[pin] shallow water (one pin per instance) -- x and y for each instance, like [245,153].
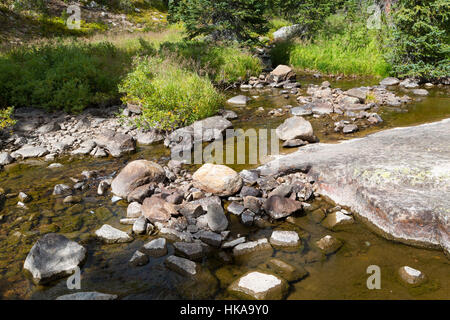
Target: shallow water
[340,276]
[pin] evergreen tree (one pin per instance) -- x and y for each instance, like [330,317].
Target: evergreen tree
[240,20]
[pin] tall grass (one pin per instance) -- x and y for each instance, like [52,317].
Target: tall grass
[341,48]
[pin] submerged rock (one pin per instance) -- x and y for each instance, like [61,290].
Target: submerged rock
[329,244]
[53,256]
[155,248]
[411,276]
[182,266]
[139,259]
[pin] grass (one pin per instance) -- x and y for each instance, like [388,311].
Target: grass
[341,48]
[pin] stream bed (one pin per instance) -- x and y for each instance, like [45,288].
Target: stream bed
[339,276]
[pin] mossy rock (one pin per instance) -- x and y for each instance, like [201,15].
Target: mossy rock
[75,209]
[103,213]
[71,224]
[49,228]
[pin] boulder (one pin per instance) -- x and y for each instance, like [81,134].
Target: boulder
[359,93]
[252,247]
[382,176]
[115,143]
[134,210]
[192,251]
[53,256]
[259,286]
[138,259]
[5,159]
[217,179]
[140,226]
[28,151]
[278,207]
[156,209]
[301,111]
[281,73]
[295,128]
[155,248]
[211,238]
[235,208]
[112,235]
[287,32]
[239,100]
[217,221]
[149,137]
[389,81]
[420,92]
[136,174]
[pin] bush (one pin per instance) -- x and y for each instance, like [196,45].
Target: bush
[420,42]
[61,76]
[219,63]
[170,96]
[5,118]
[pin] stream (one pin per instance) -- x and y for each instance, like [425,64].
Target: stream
[339,276]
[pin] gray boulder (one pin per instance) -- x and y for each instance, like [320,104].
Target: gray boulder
[295,128]
[53,256]
[116,143]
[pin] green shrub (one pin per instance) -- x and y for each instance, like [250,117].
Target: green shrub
[219,63]
[420,41]
[170,96]
[62,76]
[5,118]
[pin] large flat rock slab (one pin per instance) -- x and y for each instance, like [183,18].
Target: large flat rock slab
[397,181]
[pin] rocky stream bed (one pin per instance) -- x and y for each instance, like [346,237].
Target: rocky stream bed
[93,192]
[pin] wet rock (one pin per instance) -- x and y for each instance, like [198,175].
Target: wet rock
[24,197]
[138,259]
[350,128]
[281,73]
[260,286]
[420,92]
[136,174]
[235,208]
[250,191]
[295,128]
[155,209]
[182,266]
[112,235]
[285,270]
[53,256]
[233,243]
[337,219]
[155,248]
[285,238]
[329,244]
[115,199]
[239,100]
[278,207]
[134,210]
[409,84]
[217,179]
[253,204]
[61,189]
[317,215]
[72,199]
[211,238]
[392,172]
[229,114]
[5,159]
[252,247]
[217,221]
[140,226]
[389,81]
[115,143]
[127,221]
[247,218]
[192,251]
[87,296]
[411,276]
[294,143]
[28,151]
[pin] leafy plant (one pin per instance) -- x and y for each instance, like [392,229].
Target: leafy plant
[170,96]
[5,118]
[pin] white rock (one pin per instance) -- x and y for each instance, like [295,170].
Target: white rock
[112,235]
[260,286]
[134,210]
[285,238]
[155,248]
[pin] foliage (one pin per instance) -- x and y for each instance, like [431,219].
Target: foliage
[240,20]
[219,63]
[61,76]
[5,118]
[170,96]
[420,42]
